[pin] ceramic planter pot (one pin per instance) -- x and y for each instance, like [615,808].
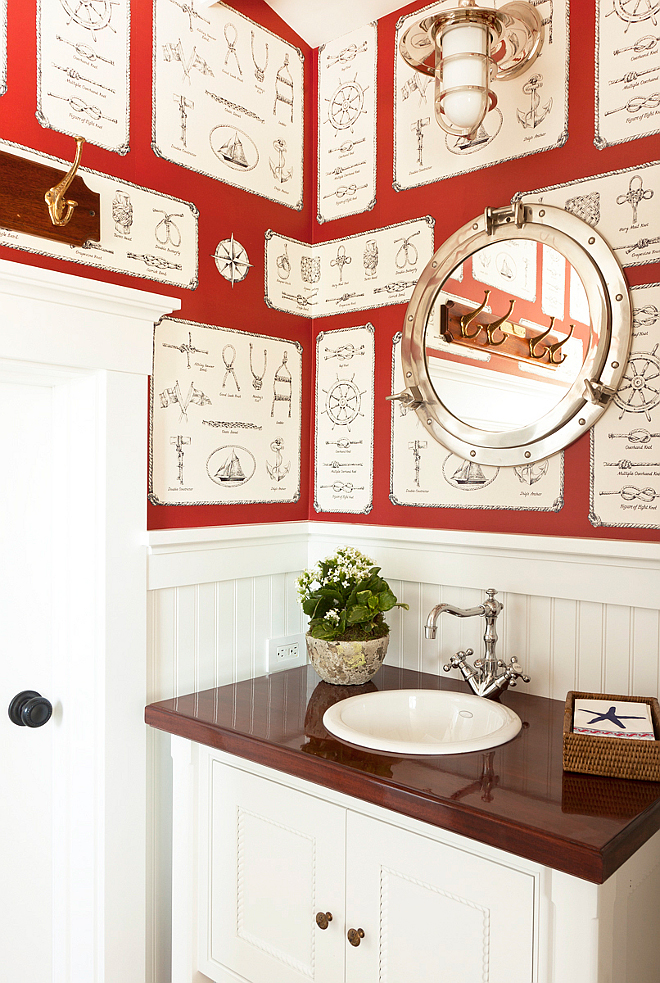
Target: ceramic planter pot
[347,663]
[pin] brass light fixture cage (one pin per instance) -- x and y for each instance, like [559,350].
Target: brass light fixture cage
[514,40]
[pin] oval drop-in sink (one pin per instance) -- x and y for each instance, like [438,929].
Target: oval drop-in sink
[419,721]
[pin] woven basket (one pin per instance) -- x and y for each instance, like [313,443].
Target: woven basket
[611,756]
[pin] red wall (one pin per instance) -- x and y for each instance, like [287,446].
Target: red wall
[452,203]
[224,210]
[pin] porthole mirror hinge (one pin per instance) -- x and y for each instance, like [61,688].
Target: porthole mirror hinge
[597,393]
[515,214]
[411,398]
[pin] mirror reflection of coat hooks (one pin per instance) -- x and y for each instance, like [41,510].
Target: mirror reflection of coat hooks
[501,391]
[523,344]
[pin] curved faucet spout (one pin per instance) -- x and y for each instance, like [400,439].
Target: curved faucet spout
[489,676]
[431,626]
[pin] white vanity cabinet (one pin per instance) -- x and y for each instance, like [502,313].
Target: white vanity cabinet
[283,824]
[432,911]
[272,857]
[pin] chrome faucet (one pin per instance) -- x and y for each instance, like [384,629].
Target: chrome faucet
[488,677]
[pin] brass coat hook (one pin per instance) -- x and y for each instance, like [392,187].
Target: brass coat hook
[534,341]
[467,319]
[59,208]
[552,350]
[492,328]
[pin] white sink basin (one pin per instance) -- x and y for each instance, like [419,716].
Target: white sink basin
[419,721]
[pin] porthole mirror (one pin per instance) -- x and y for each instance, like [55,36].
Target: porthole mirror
[516,336]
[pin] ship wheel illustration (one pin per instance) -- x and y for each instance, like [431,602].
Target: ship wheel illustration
[636,11]
[346,105]
[343,402]
[93,15]
[639,391]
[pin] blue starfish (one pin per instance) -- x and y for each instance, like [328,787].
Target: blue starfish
[611,715]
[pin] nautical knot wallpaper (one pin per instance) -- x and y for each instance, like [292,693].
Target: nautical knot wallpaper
[291,197]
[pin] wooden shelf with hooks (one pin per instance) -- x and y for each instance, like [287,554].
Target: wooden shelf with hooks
[23,207]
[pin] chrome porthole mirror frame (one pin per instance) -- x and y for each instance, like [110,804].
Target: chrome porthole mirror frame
[602,369]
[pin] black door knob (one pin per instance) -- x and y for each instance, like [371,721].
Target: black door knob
[30,709]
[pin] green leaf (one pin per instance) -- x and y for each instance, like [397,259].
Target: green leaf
[386,600]
[330,592]
[323,631]
[358,613]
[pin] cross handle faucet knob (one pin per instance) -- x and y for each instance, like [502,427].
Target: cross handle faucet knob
[456,660]
[514,669]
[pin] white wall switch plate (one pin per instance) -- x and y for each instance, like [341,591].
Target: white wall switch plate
[286,652]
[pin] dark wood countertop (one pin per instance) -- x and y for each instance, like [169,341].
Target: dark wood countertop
[515,797]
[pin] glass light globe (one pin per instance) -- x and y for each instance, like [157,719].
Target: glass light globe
[461,86]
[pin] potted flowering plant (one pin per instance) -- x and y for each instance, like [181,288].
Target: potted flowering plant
[346,598]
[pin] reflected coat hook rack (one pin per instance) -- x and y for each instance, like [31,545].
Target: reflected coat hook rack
[521,344]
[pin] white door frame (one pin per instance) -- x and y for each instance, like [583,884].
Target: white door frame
[92,343]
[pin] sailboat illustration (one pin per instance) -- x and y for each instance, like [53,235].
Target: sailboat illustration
[469,473]
[463,143]
[506,268]
[232,151]
[231,472]
[231,466]
[234,148]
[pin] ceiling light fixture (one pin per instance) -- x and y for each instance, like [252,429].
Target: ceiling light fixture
[467,47]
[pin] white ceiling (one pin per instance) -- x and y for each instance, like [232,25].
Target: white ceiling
[318,21]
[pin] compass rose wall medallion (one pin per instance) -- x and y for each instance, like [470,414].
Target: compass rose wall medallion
[231,259]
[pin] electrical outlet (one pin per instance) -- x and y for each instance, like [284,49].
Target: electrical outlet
[286,652]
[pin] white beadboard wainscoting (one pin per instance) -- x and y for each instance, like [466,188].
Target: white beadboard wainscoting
[578,614]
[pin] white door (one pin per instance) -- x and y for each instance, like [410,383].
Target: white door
[74,360]
[26,754]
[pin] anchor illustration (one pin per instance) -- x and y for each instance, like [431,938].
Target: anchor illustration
[280,172]
[537,113]
[279,470]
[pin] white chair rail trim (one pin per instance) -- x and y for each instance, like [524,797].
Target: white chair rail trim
[605,571]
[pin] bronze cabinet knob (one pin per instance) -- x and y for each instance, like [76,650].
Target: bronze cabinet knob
[323,919]
[355,935]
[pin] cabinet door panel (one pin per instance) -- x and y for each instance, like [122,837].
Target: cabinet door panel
[431,912]
[276,858]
